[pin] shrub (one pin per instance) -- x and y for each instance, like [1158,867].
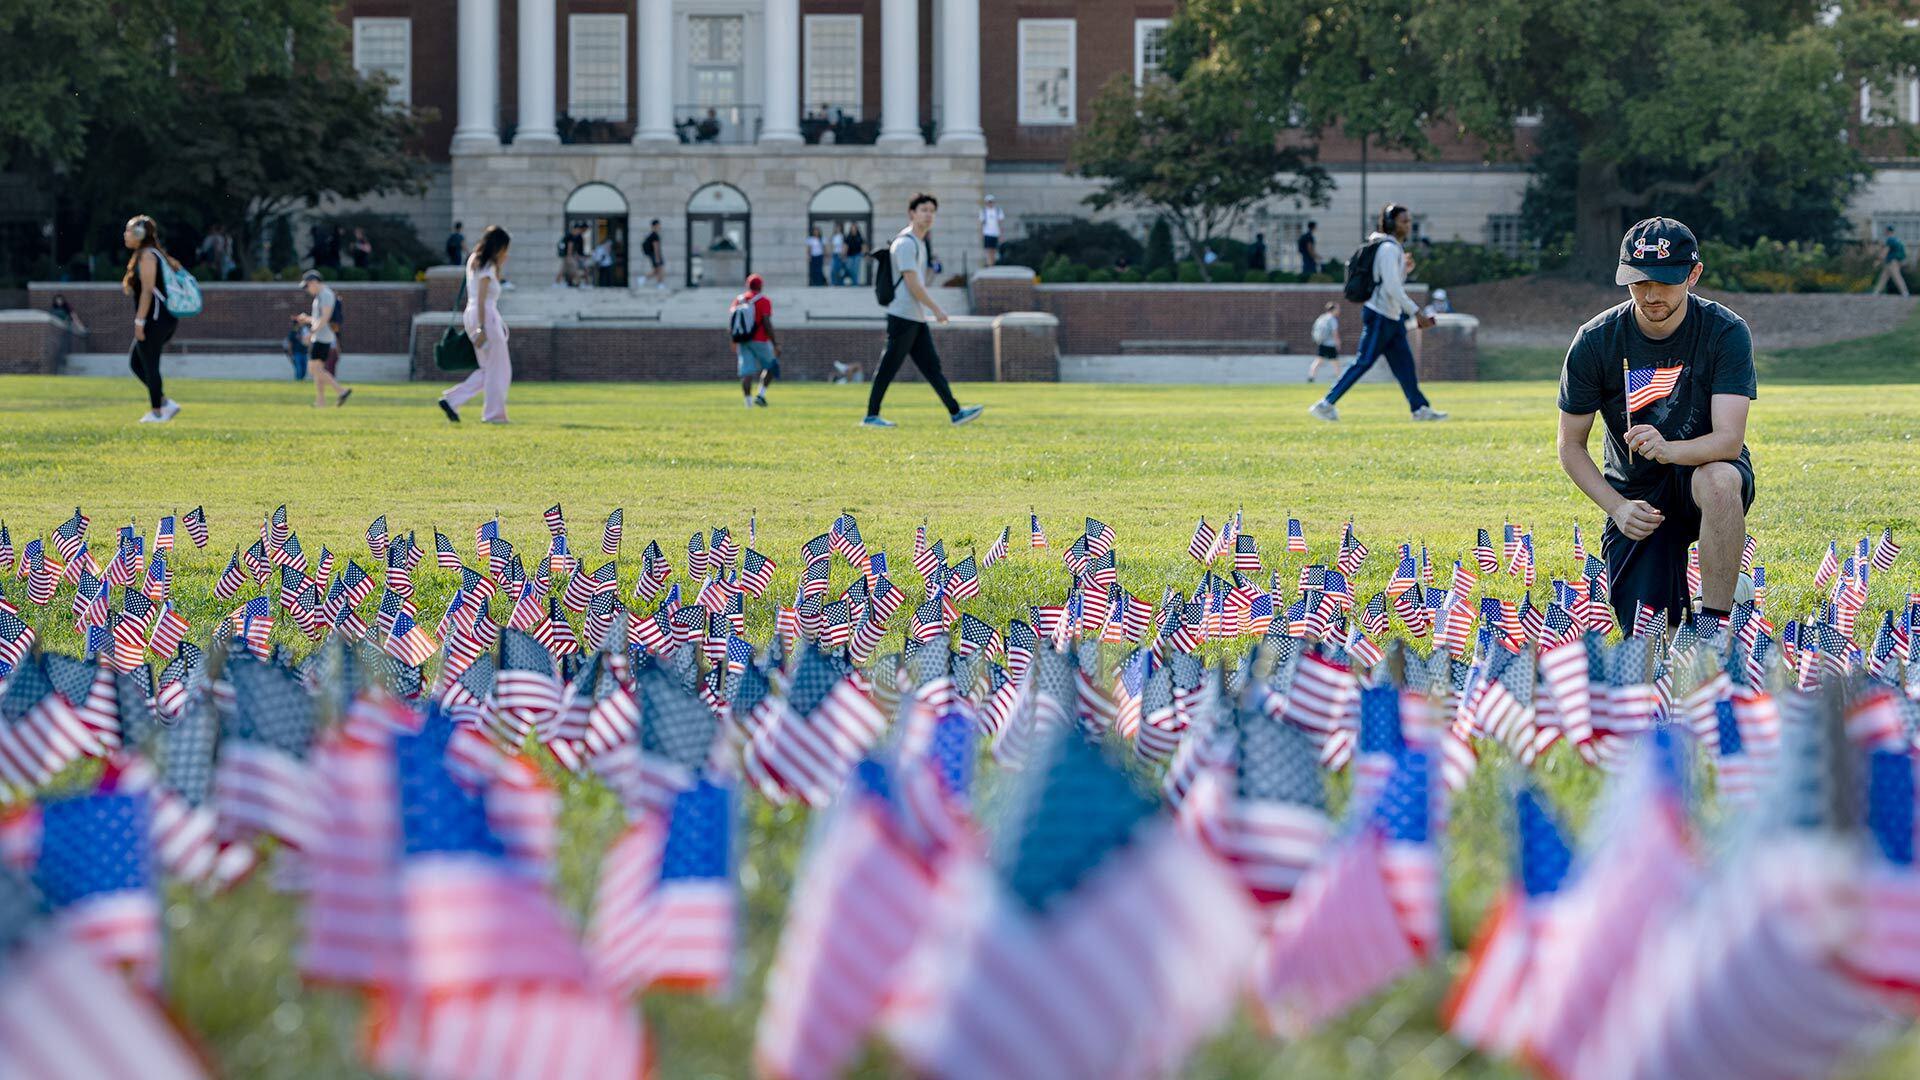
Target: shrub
[1255,277]
[1233,255]
[261,273]
[1449,263]
[1130,276]
[280,253]
[1101,276]
[1160,275]
[1772,266]
[1159,244]
[392,236]
[1095,244]
[1283,277]
[1189,273]
[288,273]
[351,273]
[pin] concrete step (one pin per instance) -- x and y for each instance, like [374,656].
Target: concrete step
[219,346]
[354,367]
[1191,368]
[702,307]
[1244,347]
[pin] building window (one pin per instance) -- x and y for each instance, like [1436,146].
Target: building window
[1046,71]
[833,65]
[597,67]
[1149,49]
[1505,234]
[1897,103]
[714,52]
[385,47]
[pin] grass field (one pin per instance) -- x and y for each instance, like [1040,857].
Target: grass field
[1879,358]
[1834,459]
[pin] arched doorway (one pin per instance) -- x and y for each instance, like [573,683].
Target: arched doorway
[835,208]
[603,210]
[719,237]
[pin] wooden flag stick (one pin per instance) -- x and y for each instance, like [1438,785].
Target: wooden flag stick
[1627,391]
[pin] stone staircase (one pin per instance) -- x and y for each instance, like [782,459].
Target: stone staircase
[704,307]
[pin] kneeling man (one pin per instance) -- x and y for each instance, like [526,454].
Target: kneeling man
[1672,375]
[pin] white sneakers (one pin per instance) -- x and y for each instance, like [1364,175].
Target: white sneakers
[168,410]
[1324,410]
[1428,412]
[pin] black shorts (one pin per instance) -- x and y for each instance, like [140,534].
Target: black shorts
[991,243]
[1654,571]
[1328,352]
[323,353]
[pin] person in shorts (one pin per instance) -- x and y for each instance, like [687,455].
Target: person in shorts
[759,355]
[992,219]
[1326,341]
[655,255]
[323,355]
[1672,376]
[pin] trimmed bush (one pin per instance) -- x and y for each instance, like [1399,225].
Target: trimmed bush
[392,237]
[1094,244]
[1282,277]
[1189,273]
[1159,245]
[1255,277]
[1130,276]
[1772,266]
[1444,265]
[1160,275]
[1102,276]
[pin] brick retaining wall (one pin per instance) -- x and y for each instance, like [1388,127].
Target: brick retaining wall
[649,351]
[31,343]
[378,315]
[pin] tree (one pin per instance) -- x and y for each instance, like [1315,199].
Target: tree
[1179,147]
[1726,100]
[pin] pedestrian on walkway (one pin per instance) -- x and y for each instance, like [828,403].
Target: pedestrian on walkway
[756,351]
[1326,341]
[856,252]
[837,248]
[153,324]
[1893,253]
[1383,260]
[907,309]
[816,258]
[656,257]
[486,330]
[457,244]
[361,250]
[992,220]
[1309,248]
[323,353]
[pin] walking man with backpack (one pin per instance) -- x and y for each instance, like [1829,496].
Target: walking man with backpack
[899,283]
[1377,278]
[750,324]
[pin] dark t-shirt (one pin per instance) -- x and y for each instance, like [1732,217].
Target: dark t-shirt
[1714,351]
[650,247]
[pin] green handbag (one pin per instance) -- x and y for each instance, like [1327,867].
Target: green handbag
[454,350]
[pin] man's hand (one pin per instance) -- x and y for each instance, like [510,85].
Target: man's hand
[1646,440]
[1424,321]
[1636,519]
[940,316]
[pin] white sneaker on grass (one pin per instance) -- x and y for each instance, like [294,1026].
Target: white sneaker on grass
[169,410]
[1324,410]
[1428,412]
[153,418]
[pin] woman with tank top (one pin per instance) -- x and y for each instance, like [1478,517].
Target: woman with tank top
[486,330]
[153,324]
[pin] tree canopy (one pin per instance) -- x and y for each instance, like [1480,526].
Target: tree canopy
[1737,102]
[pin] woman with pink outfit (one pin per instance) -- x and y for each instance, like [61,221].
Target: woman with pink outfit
[486,330]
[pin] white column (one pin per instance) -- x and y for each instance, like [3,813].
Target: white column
[655,52]
[781,123]
[900,72]
[476,127]
[535,122]
[959,45]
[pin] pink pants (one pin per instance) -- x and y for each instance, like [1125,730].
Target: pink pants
[491,377]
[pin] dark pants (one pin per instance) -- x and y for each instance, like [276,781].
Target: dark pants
[908,338]
[1654,571]
[816,270]
[144,358]
[1381,336]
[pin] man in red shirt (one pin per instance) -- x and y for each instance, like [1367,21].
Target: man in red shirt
[750,322]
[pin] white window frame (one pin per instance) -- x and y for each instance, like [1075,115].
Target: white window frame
[401,93]
[1507,221]
[1141,28]
[599,26]
[807,24]
[1026,118]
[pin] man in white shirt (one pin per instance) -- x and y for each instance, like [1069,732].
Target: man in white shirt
[323,344]
[1383,328]
[991,218]
[907,331]
[1326,341]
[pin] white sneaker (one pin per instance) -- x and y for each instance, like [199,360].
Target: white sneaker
[1324,410]
[747,401]
[170,410]
[154,418]
[1428,412]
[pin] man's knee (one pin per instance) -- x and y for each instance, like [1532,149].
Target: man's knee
[1716,490]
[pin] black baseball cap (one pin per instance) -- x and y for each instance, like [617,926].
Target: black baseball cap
[1657,249]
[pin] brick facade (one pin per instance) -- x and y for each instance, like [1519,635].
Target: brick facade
[647,352]
[1102,319]
[376,316]
[31,343]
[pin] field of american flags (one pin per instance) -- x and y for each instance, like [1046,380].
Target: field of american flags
[1832,463]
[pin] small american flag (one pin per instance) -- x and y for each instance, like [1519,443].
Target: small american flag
[378,538]
[1647,385]
[1203,547]
[666,911]
[1099,538]
[1296,538]
[96,872]
[71,535]
[1036,539]
[999,549]
[556,520]
[1885,552]
[610,532]
[195,521]
[1483,553]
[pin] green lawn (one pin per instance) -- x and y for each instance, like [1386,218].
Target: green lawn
[1883,358]
[1833,461]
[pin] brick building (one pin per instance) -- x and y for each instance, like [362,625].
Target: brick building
[740,123]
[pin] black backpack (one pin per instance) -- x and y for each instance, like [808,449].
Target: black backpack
[886,283]
[1360,279]
[741,319]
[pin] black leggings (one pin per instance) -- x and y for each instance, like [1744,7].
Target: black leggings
[144,359]
[906,337]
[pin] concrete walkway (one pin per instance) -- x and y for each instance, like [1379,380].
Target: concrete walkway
[354,367]
[701,307]
[1190,368]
